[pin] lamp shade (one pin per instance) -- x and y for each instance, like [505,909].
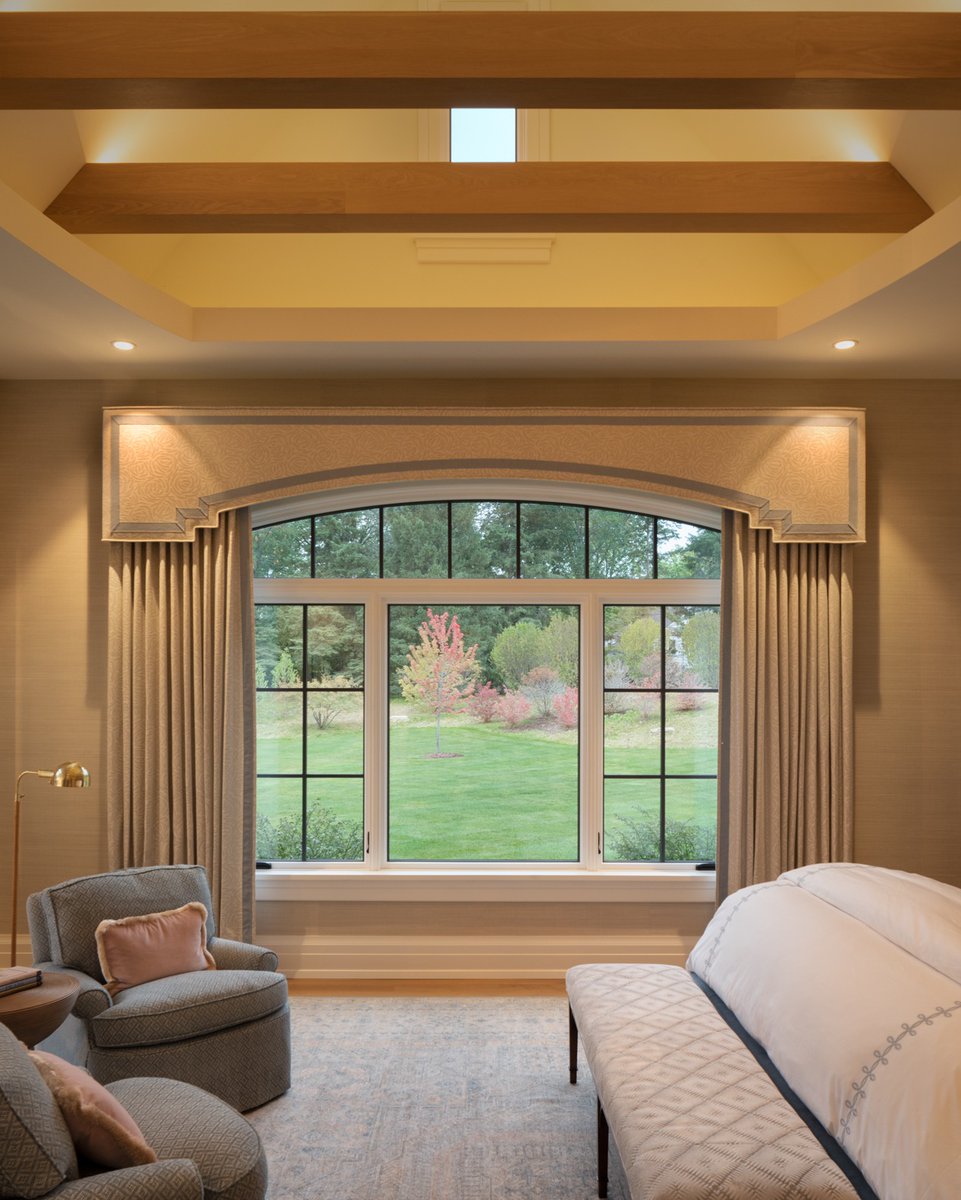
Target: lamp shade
[70,774]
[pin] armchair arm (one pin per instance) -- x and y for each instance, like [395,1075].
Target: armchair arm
[92,999]
[171,1179]
[241,956]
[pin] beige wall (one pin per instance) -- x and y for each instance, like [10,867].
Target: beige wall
[907,620]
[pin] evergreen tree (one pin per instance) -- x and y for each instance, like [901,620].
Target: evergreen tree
[348,545]
[552,541]
[697,557]
[483,539]
[622,545]
[335,641]
[282,551]
[415,541]
[278,629]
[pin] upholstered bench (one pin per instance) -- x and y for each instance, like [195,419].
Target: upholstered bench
[693,1114]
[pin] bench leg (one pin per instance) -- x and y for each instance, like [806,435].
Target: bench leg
[603,1139]
[572,1043]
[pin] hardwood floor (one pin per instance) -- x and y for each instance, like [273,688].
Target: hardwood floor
[426,987]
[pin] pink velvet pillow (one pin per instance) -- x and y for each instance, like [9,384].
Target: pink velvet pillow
[137,949]
[101,1128]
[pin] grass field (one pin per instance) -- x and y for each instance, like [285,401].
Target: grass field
[502,795]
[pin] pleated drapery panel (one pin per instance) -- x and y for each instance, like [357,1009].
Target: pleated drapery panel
[181,711]
[786,754]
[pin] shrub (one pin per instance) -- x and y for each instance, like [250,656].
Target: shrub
[483,705]
[689,701]
[513,709]
[561,642]
[329,837]
[639,642]
[517,650]
[565,708]
[326,707]
[701,639]
[639,840]
[616,675]
[540,685]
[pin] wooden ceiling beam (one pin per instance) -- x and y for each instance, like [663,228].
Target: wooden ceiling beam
[758,197]
[82,60]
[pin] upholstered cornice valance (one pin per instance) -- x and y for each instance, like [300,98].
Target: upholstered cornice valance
[797,472]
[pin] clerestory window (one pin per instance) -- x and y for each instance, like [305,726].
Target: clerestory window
[486,681]
[483,135]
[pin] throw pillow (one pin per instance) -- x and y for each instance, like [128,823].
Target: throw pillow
[137,949]
[101,1128]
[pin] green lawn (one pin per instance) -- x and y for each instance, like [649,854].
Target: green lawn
[504,795]
[510,795]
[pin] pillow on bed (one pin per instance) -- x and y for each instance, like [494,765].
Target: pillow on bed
[101,1128]
[137,949]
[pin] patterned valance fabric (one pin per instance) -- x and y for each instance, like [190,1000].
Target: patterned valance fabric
[796,472]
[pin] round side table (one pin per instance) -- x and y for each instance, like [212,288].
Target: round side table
[36,1012]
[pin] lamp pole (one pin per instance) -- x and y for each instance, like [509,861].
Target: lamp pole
[68,774]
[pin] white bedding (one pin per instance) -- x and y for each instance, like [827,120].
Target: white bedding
[850,977]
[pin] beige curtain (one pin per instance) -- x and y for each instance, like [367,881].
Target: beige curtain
[181,711]
[786,789]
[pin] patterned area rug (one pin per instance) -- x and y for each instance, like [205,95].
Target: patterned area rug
[410,1098]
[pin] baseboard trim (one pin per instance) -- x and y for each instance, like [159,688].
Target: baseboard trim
[319,956]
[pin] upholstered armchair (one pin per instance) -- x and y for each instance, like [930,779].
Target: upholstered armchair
[206,1150]
[225,1030]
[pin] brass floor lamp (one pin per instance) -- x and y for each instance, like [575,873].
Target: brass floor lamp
[69,774]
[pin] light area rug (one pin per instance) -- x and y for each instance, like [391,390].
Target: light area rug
[426,1098]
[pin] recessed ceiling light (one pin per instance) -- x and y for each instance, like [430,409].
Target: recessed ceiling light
[124,345]
[845,344]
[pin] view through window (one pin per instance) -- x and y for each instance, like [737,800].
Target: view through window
[442,667]
[483,135]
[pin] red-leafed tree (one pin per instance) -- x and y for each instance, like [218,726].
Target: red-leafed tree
[440,671]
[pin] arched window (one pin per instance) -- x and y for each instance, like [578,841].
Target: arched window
[478,674]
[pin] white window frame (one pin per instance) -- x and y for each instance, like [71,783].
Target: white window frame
[591,879]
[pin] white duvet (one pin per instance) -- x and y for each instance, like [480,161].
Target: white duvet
[850,977]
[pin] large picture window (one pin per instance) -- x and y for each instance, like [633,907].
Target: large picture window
[487,681]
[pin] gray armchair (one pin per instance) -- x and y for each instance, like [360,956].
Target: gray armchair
[226,1031]
[206,1151]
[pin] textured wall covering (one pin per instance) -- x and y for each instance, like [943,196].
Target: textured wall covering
[907,620]
[799,473]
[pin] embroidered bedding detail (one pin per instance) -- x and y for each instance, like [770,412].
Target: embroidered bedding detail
[882,1057]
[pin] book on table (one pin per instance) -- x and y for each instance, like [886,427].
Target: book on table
[16,979]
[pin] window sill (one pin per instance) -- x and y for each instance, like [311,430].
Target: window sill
[680,885]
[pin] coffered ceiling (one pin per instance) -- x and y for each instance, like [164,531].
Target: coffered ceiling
[705,189]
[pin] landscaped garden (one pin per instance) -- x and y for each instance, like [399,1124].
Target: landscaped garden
[483,755]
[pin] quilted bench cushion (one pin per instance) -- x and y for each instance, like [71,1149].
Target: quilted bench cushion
[186,1006]
[693,1114]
